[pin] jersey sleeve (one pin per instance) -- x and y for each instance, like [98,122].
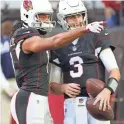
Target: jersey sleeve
[54,58]
[103,41]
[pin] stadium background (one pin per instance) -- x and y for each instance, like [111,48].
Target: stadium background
[10,9]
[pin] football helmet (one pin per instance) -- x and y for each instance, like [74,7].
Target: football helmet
[68,8]
[29,14]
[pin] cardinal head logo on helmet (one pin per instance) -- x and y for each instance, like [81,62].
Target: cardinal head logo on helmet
[28,5]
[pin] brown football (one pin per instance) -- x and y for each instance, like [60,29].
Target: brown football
[108,114]
[94,86]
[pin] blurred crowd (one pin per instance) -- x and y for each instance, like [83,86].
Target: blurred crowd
[6,67]
[114,13]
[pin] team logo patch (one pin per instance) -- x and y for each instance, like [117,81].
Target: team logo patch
[28,5]
[80,102]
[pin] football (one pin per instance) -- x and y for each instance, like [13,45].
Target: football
[108,114]
[94,86]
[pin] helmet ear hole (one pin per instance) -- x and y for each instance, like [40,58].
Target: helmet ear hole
[83,14]
[26,16]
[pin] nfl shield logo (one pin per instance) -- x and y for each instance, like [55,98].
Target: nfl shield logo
[81,100]
[74,48]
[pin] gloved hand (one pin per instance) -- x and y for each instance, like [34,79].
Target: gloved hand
[96,27]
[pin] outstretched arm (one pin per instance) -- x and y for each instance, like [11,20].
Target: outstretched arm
[36,43]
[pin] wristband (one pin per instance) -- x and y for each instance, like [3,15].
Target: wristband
[112,84]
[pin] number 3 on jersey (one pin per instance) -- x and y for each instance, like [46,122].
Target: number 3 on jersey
[78,65]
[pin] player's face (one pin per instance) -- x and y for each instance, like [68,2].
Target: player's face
[75,21]
[43,17]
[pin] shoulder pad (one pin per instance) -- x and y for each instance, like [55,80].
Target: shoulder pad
[24,33]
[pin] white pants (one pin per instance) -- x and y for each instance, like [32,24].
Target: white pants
[75,112]
[36,111]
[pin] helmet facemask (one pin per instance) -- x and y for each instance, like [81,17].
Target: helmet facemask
[42,25]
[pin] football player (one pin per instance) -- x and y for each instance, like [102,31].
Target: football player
[30,58]
[86,57]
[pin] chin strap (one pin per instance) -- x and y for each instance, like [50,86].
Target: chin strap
[42,32]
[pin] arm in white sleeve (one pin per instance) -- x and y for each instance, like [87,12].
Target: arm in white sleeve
[55,74]
[56,80]
[108,59]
